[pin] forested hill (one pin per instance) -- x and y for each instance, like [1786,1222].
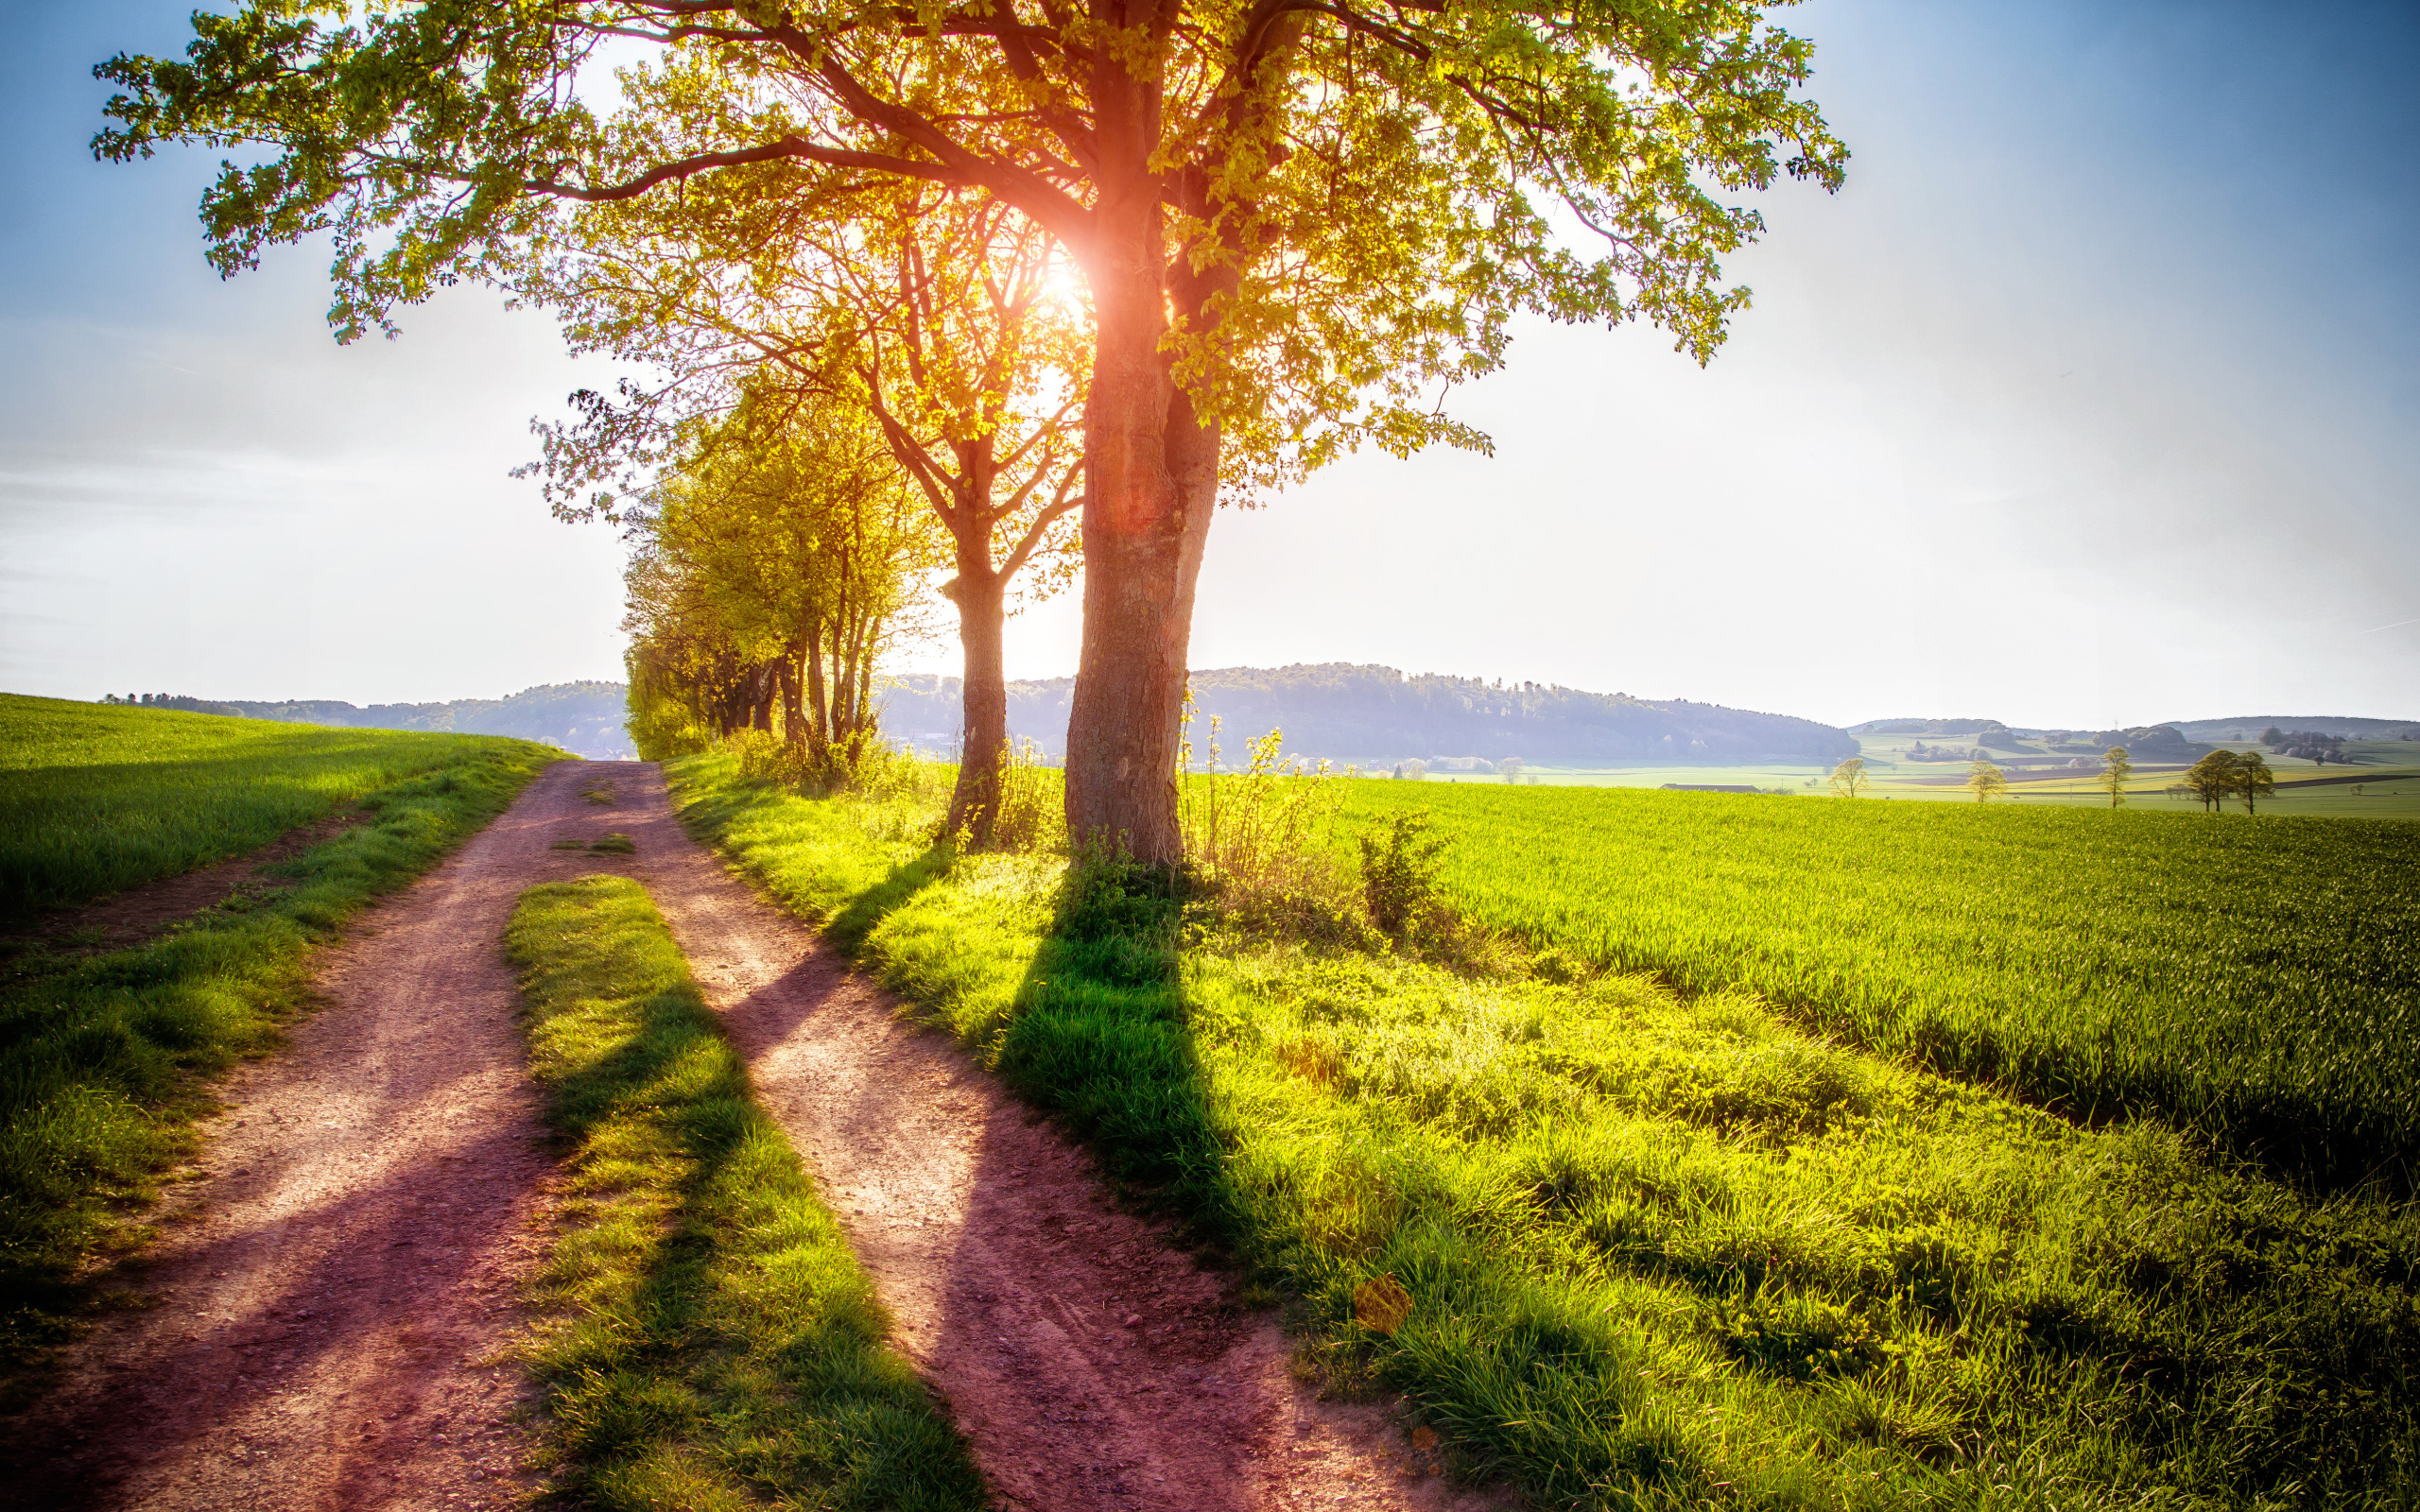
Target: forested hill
[1377,715]
[585,717]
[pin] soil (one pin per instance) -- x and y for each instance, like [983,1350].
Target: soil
[153,908]
[338,1284]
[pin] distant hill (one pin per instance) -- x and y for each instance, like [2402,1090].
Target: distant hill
[584,718]
[2144,743]
[2250,725]
[1377,715]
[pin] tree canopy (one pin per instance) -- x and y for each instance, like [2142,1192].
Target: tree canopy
[1297,219]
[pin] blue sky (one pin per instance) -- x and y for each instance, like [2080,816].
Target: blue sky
[2090,401]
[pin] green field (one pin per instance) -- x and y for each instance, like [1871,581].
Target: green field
[95,798]
[104,1057]
[2257,977]
[2387,774]
[1667,1244]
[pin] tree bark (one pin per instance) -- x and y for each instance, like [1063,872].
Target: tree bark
[1151,478]
[984,726]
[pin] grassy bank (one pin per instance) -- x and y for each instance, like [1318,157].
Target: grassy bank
[2257,978]
[104,1059]
[1660,1251]
[716,1345]
[94,798]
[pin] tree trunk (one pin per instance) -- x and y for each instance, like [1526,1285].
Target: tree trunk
[1151,479]
[983,741]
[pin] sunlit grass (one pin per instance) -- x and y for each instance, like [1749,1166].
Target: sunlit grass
[94,798]
[713,1342]
[2258,978]
[1664,1250]
[105,1059]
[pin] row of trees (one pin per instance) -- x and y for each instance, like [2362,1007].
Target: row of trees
[2225,774]
[1987,781]
[1287,227]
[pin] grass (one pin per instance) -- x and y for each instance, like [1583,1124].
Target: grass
[716,1345]
[1660,1248]
[104,1059]
[95,798]
[2258,979]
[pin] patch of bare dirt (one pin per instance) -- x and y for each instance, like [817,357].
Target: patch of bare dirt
[1088,1360]
[153,908]
[338,1279]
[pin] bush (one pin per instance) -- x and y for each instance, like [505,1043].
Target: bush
[1399,874]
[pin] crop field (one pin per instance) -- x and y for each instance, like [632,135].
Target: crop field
[1628,1242]
[2258,978]
[95,798]
[103,1056]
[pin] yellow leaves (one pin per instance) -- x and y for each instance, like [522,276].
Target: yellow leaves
[1382,1305]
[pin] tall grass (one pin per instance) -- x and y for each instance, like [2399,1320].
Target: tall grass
[95,798]
[1658,1250]
[104,1059]
[2258,979]
[714,1343]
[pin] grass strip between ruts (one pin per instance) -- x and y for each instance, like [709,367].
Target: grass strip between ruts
[714,1342]
[104,1059]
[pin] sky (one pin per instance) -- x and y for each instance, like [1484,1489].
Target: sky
[2091,400]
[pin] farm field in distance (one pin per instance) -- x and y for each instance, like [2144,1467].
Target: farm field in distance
[95,798]
[2387,773]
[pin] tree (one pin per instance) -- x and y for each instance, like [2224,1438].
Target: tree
[1298,221]
[2211,778]
[2116,766]
[1986,782]
[1511,768]
[1849,777]
[773,568]
[940,312]
[2253,780]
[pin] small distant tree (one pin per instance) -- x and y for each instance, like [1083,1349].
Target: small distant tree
[2272,737]
[1511,767]
[2253,780]
[1986,782]
[2116,766]
[1412,771]
[1849,777]
[2211,778]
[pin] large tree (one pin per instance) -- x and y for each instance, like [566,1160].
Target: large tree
[1296,217]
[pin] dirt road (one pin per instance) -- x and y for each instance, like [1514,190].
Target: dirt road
[1090,1364]
[338,1282]
[336,1278]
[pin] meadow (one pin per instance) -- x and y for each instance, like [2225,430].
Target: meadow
[1627,1240]
[95,798]
[2255,978]
[105,1056]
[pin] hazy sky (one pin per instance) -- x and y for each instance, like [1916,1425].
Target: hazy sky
[2091,400]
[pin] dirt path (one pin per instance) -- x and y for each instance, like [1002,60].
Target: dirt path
[1090,1364]
[338,1282]
[335,1282]
[150,908]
